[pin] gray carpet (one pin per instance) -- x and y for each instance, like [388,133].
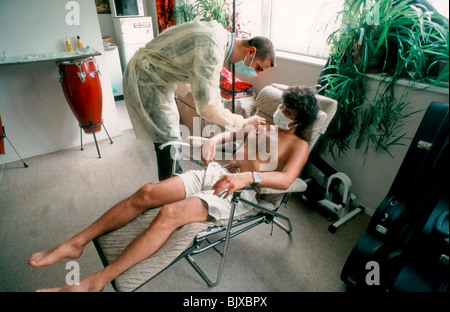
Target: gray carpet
[63,192]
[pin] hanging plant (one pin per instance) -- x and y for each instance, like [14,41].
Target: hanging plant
[207,10]
[405,41]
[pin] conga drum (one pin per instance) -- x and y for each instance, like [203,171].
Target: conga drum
[80,82]
[2,136]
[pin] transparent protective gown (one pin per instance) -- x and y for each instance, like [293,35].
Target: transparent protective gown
[193,53]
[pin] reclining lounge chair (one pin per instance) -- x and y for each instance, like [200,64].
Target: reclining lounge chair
[195,238]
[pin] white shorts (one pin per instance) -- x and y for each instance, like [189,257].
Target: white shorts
[199,183]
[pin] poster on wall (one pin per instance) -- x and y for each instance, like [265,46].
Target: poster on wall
[103,6]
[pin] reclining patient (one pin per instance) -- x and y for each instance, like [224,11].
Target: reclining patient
[193,196]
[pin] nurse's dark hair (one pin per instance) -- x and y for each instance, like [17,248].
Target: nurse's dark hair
[303,100]
[264,48]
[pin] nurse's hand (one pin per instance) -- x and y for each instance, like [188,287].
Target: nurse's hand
[254,121]
[208,151]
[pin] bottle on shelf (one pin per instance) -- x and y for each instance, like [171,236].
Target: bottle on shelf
[69,45]
[79,43]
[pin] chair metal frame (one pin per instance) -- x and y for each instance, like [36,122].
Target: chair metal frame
[202,243]
[265,216]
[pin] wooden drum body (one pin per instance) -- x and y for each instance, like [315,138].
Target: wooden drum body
[80,82]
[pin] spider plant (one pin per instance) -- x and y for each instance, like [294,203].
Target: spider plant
[184,11]
[409,40]
[218,10]
[205,10]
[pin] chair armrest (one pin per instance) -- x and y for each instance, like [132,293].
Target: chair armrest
[297,186]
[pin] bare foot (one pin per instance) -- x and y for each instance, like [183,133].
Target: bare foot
[89,284]
[65,250]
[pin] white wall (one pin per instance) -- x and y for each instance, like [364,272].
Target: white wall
[34,111]
[372,176]
[107,26]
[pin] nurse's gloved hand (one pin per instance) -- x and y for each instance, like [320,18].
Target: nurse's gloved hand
[208,151]
[254,121]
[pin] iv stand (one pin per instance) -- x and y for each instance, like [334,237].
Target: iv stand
[236,194]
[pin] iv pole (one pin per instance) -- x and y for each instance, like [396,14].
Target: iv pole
[234,200]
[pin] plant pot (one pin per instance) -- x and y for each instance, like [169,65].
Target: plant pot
[443,70]
[376,61]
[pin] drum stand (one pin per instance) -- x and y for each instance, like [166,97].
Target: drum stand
[5,137]
[92,127]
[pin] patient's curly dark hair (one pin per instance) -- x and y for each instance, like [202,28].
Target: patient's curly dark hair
[303,100]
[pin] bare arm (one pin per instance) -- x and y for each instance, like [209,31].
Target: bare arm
[274,179]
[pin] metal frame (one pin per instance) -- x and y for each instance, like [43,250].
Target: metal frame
[265,216]
[5,137]
[92,127]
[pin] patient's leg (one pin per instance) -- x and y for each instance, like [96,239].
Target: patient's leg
[148,196]
[169,218]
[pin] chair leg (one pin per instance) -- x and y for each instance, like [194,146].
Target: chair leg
[234,201]
[273,215]
[287,228]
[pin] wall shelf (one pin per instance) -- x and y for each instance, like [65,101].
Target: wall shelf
[45,57]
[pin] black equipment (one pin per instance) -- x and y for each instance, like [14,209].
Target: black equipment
[406,245]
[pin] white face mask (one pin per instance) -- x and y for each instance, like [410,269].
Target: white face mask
[281,120]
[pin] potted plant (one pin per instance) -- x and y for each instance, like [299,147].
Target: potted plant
[205,10]
[405,40]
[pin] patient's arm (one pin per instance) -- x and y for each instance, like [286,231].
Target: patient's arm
[296,160]
[292,155]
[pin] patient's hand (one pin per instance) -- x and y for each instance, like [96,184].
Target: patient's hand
[232,182]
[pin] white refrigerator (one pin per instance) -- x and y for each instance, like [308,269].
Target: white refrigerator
[132,33]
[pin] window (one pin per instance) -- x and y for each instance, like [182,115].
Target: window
[297,26]
[441,6]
